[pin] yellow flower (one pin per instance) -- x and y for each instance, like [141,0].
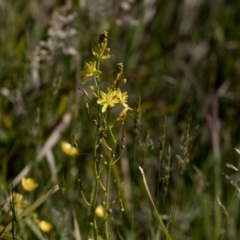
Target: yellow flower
[89,71]
[108,99]
[122,98]
[17,200]
[29,184]
[45,226]
[68,149]
[100,211]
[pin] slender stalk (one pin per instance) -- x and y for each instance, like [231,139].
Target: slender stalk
[155,209]
[217,185]
[175,201]
[213,122]
[107,197]
[94,203]
[109,173]
[134,165]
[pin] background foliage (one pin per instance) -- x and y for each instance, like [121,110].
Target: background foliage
[182,57]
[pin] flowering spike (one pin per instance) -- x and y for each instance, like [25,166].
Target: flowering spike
[100,50]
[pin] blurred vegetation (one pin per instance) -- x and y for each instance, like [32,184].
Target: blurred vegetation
[181,57]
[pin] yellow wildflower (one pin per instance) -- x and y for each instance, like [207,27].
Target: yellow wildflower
[122,98]
[89,71]
[45,226]
[68,149]
[17,200]
[108,99]
[29,184]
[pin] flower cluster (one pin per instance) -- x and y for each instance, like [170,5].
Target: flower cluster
[113,95]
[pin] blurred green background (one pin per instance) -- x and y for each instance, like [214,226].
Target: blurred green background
[182,57]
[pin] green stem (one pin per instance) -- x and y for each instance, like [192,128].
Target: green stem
[107,196]
[217,185]
[175,200]
[94,203]
[155,209]
[109,173]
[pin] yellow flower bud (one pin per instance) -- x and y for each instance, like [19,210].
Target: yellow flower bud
[91,88]
[100,211]
[68,149]
[45,226]
[29,184]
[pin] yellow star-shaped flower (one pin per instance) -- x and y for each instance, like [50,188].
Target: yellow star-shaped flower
[89,71]
[108,99]
[122,97]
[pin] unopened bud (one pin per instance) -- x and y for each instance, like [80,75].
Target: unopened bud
[86,105]
[95,95]
[103,37]
[91,88]
[122,82]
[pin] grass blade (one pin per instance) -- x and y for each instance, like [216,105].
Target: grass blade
[26,212]
[158,215]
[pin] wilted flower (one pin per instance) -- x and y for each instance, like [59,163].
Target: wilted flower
[29,184]
[17,200]
[122,115]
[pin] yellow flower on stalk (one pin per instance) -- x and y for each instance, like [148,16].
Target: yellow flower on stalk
[45,226]
[122,98]
[29,184]
[89,71]
[68,149]
[108,99]
[17,200]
